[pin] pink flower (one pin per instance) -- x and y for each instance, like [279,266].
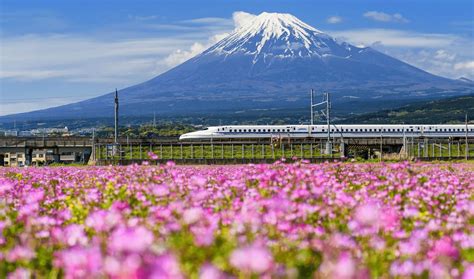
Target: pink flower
[20,273]
[79,262]
[102,220]
[133,240]
[368,215]
[192,215]
[20,253]
[75,235]
[444,248]
[127,267]
[166,267]
[198,181]
[153,156]
[5,186]
[468,272]
[252,258]
[161,190]
[209,271]
[345,267]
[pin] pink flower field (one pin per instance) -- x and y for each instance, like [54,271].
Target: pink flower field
[332,220]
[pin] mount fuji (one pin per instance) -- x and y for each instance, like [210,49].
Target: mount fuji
[269,63]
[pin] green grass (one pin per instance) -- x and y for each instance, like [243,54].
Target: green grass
[444,151]
[221,151]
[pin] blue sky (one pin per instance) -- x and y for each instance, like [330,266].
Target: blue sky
[56,52]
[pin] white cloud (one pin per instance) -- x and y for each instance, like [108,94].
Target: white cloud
[143,18]
[384,17]
[395,38]
[75,58]
[241,18]
[209,20]
[179,56]
[334,19]
[98,60]
[441,54]
[467,65]
[7,108]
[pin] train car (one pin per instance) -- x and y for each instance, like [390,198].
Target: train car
[321,131]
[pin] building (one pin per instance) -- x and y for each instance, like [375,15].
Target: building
[11,133]
[25,134]
[14,159]
[39,157]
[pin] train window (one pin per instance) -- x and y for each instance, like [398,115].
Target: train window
[240,130]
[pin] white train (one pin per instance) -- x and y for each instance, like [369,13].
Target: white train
[321,131]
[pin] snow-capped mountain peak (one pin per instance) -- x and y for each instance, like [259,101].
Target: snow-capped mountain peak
[279,35]
[277,25]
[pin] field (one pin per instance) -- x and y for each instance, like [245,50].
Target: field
[331,220]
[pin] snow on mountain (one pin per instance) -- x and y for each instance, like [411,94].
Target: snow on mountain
[279,35]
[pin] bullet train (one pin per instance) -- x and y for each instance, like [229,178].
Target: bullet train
[336,131]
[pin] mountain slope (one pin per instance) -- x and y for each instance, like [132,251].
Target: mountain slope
[271,62]
[451,110]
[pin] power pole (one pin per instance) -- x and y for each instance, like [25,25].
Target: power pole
[467,144]
[154,120]
[327,113]
[312,113]
[116,117]
[328,120]
[93,145]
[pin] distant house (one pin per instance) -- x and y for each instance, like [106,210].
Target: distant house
[12,159]
[11,133]
[25,134]
[39,157]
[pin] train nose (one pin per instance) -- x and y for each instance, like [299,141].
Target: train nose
[192,135]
